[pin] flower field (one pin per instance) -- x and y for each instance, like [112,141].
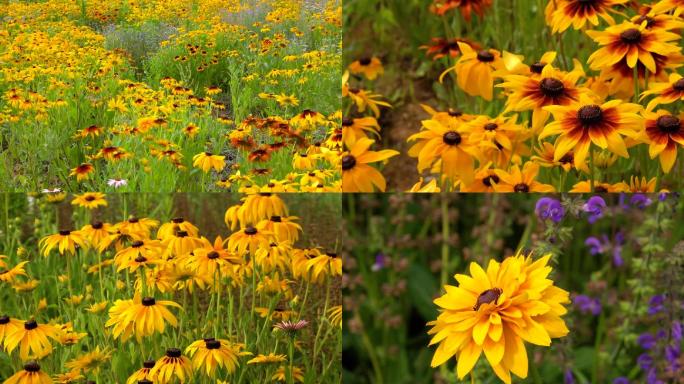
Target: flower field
[151,95]
[513,289]
[169,288]
[513,96]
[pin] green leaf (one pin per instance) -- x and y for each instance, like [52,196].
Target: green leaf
[422,285]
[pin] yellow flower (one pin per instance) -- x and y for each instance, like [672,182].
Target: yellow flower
[285,100]
[578,12]
[31,374]
[474,70]
[9,275]
[248,239]
[521,181]
[90,361]
[90,200]
[65,240]
[357,175]
[206,160]
[281,374]
[267,359]
[325,265]
[210,354]
[31,337]
[496,311]
[172,364]
[369,67]
[142,316]
[667,92]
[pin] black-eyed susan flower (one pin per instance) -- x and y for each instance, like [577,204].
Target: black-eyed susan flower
[303,161]
[180,244]
[429,187]
[666,92]
[466,7]
[260,206]
[146,249]
[90,361]
[90,200]
[440,47]
[9,275]
[580,124]
[136,226]
[324,266]
[177,224]
[271,358]
[283,228]
[210,354]
[599,187]
[142,316]
[173,364]
[564,13]
[449,143]
[82,172]
[498,138]
[355,129]
[142,373]
[520,181]
[209,258]
[635,43]
[64,240]
[496,311]
[281,373]
[370,67]
[275,256]
[248,239]
[335,316]
[664,134]
[552,87]
[8,325]
[31,374]
[474,70]
[70,377]
[357,174]
[97,232]
[207,160]
[31,338]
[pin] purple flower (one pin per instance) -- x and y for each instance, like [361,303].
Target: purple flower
[677,331]
[662,196]
[655,305]
[672,353]
[568,378]
[588,304]
[380,262]
[601,245]
[594,207]
[645,361]
[595,245]
[646,340]
[652,377]
[621,380]
[549,208]
[640,200]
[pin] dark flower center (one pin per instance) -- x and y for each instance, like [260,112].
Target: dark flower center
[133,220]
[668,124]
[331,254]
[264,194]
[207,339]
[365,61]
[97,225]
[31,324]
[178,220]
[140,259]
[679,85]
[213,255]
[451,138]
[485,56]
[137,244]
[649,21]
[522,188]
[64,232]
[276,219]
[567,158]
[630,36]
[537,67]
[347,122]
[590,115]
[600,189]
[455,113]
[348,162]
[149,364]
[551,87]
[31,366]
[182,233]
[487,297]
[144,381]
[4,319]
[208,154]
[490,127]
[250,231]
[89,198]
[213,344]
[149,301]
[271,185]
[173,352]
[490,179]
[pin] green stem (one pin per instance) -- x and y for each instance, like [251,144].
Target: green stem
[593,168]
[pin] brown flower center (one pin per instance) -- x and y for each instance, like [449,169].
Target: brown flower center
[600,189]
[455,113]
[365,61]
[485,56]
[213,255]
[149,364]
[149,301]
[347,122]
[490,179]
[590,115]
[551,87]
[137,244]
[140,259]
[521,188]
[177,220]
[4,319]
[276,219]
[566,159]
[679,85]
[630,36]
[668,124]
[213,344]
[348,162]
[250,231]
[173,352]
[487,297]
[451,138]
[491,127]
[90,198]
[537,67]
[31,324]
[31,366]
[97,225]
[64,232]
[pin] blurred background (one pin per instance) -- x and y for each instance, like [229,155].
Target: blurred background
[621,263]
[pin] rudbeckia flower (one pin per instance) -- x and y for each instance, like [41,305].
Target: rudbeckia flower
[551,87]
[449,144]
[369,67]
[97,232]
[323,266]
[275,256]
[667,92]
[580,124]
[82,172]
[179,245]
[140,227]
[31,338]
[90,200]
[578,12]
[140,316]
[271,358]
[177,224]
[172,364]
[211,354]
[363,99]
[521,181]
[585,187]
[355,129]
[429,187]
[466,7]
[8,275]
[65,240]
[209,258]
[496,311]
[441,47]
[7,326]
[357,174]
[142,373]
[90,361]
[281,374]
[31,374]
[260,206]
[474,70]
[498,138]
[633,42]
[283,228]
[665,135]
[248,239]
[206,160]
